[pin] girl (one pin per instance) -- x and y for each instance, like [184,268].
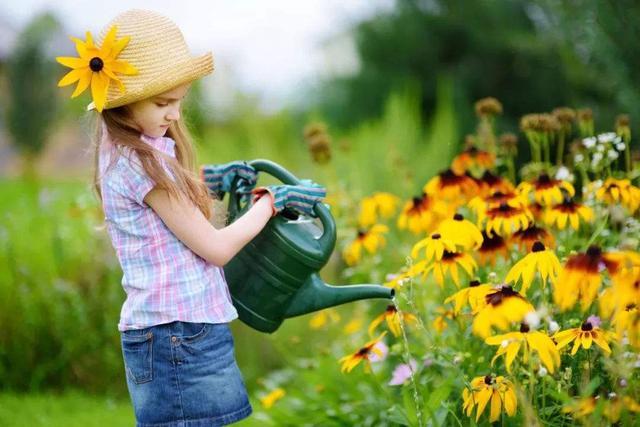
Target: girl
[176,343]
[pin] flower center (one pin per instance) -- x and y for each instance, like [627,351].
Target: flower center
[96,64]
[474,283]
[435,236]
[458,217]
[524,328]
[488,380]
[587,326]
[594,251]
[544,178]
[504,207]
[537,247]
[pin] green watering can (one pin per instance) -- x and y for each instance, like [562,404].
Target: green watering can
[275,276]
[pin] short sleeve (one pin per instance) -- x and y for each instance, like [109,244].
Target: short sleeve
[135,180]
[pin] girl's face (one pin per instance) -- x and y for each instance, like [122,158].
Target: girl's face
[154,115]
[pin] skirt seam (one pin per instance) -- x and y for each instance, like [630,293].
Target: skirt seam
[225,419]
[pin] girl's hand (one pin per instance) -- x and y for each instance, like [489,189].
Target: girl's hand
[219,178]
[300,198]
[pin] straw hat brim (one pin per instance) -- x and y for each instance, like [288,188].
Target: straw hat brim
[185,72]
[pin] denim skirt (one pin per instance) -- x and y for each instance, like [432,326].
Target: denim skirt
[184,374]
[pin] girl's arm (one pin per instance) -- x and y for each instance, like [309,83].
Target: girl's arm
[216,246]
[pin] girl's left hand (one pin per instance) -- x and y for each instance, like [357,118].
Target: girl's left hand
[219,178]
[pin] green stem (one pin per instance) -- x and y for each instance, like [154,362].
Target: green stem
[560,152]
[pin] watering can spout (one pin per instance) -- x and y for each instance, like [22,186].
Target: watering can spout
[316,295]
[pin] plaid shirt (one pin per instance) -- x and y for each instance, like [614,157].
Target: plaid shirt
[163,279]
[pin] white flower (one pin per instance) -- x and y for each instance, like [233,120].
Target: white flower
[607,137]
[532,319]
[596,158]
[620,146]
[589,142]
[563,173]
[542,371]
[612,154]
[600,148]
[578,158]
[553,327]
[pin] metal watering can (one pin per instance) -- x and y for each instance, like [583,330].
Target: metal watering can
[275,276]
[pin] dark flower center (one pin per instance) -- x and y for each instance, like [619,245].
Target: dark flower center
[458,217]
[391,308]
[594,251]
[587,326]
[504,207]
[96,64]
[474,283]
[544,179]
[524,328]
[488,380]
[497,297]
[537,247]
[436,236]
[361,233]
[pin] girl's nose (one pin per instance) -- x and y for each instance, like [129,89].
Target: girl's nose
[174,114]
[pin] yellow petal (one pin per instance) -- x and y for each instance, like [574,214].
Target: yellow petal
[71,62]
[118,46]
[119,66]
[99,87]
[73,76]
[496,406]
[107,43]
[83,84]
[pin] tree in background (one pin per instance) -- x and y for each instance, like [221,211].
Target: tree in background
[524,53]
[32,102]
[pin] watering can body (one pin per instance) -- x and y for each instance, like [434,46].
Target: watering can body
[275,276]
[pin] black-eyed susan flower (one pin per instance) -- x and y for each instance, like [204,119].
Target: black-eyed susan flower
[365,353]
[612,408]
[96,66]
[497,389]
[448,266]
[490,183]
[472,159]
[504,307]
[507,218]
[272,397]
[546,190]
[570,212]
[439,323]
[371,240]
[492,247]
[474,295]
[461,231]
[589,332]
[393,319]
[580,277]
[434,246]
[525,238]
[421,214]
[479,205]
[511,343]
[379,204]
[627,324]
[451,187]
[619,191]
[540,260]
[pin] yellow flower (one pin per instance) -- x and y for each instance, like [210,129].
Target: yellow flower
[584,336]
[619,191]
[350,361]
[474,295]
[434,247]
[528,236]
[511,343]
[504,306]
[393,320]
[568,211]
[271,398]
[440,323]
[448,264]
[507,218]
[97,66]
[379,204]
[490,183]
[472,158]
[541,260]
[451,187]
[320,318]
[352,326]
[491,247]
[546,191]
[421,214]
[461,231]
[627,323]
[611,408]
[371,240]
[499,390]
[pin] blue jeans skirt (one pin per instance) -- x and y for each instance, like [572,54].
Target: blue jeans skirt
[184,374]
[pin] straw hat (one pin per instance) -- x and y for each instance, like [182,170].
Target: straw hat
[158,51]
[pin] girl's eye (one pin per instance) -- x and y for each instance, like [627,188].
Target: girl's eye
[161,105]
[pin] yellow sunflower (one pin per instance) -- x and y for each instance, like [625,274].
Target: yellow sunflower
[619,191]
[540,260]
[350,361]
[546,191]
[507,219]
[589,332]
[491,247]
[371,240]
[472,158]
[528,236]
[497,389]
[379,204]
[568,211]
[439,324]
[461,231]
[448,264]
[268,400]
[490,183]
[451,187]
[96,66]
[392,317]
[434,247]
[474,295]
[421,214]
[528,340]
[504,306]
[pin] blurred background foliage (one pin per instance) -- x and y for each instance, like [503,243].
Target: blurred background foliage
[390,127]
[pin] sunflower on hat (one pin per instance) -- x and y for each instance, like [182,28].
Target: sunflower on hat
[97,66]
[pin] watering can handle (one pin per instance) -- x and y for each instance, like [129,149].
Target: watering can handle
[328,237]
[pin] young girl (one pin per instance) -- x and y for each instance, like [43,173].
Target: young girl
[176,343]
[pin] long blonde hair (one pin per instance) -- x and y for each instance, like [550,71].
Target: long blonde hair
[124,133]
